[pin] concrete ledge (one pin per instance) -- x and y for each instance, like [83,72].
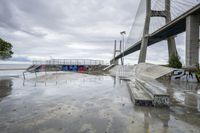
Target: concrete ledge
[138,96]
[143,87]
[147,93]
[155,90]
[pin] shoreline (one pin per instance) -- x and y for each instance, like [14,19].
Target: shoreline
[12,69]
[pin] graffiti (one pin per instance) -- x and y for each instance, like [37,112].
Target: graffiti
[160,100]
[184,75]
[82,69]
[143,103]
[64,68]
[74,68]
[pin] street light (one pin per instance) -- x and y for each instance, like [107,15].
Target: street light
[123,33]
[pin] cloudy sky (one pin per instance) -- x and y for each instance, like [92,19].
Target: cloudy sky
[44,29]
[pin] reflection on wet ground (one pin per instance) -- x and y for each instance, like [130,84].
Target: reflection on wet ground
[5,87]
[184,93]
[80,103]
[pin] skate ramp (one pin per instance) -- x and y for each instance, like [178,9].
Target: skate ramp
[151,71]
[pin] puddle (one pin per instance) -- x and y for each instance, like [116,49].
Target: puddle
[80,103]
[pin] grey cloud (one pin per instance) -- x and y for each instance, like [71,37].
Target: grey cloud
[44,28]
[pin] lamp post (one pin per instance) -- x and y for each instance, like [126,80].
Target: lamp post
[123,33]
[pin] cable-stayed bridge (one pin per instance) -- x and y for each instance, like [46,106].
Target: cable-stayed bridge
[158,20]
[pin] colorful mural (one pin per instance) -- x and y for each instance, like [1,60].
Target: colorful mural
[74,68]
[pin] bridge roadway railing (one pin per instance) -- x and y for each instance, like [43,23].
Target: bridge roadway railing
[70,62]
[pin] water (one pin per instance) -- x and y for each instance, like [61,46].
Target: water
[14,66]
[12,70]
[80,103]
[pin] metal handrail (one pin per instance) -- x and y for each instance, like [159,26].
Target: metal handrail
[69,62]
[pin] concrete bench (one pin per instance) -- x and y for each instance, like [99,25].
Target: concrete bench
[138,96]
[155,90]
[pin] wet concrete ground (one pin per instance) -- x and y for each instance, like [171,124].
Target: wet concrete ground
[80,103]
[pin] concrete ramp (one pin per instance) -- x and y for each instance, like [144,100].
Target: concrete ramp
[151,71]
[140,70]
[108,67]
[122,71]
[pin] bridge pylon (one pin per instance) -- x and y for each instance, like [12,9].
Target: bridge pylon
[192,40]
[166,13]
[116,62]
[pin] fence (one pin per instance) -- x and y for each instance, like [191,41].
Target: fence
[70,62]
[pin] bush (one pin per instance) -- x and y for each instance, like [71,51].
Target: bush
[197,70]
[5,49]
[174,61]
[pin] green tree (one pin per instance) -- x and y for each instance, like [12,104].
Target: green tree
[174,61]
[5,49]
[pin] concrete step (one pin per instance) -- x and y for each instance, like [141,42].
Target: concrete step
[138,96]
[152,86]
[155,90]
[142,87]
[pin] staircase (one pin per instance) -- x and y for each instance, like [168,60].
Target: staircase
[32,68]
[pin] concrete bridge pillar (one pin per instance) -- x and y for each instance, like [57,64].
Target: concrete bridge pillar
[171,40]
[143,48]
[192,40]
[166,13]
[120,49]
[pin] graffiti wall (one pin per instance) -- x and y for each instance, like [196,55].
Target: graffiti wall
[184,75]
[74,68]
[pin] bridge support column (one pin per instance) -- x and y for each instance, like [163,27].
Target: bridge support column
[192,40]
[120,49]
[171,40]
[143,48]
[171,46]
